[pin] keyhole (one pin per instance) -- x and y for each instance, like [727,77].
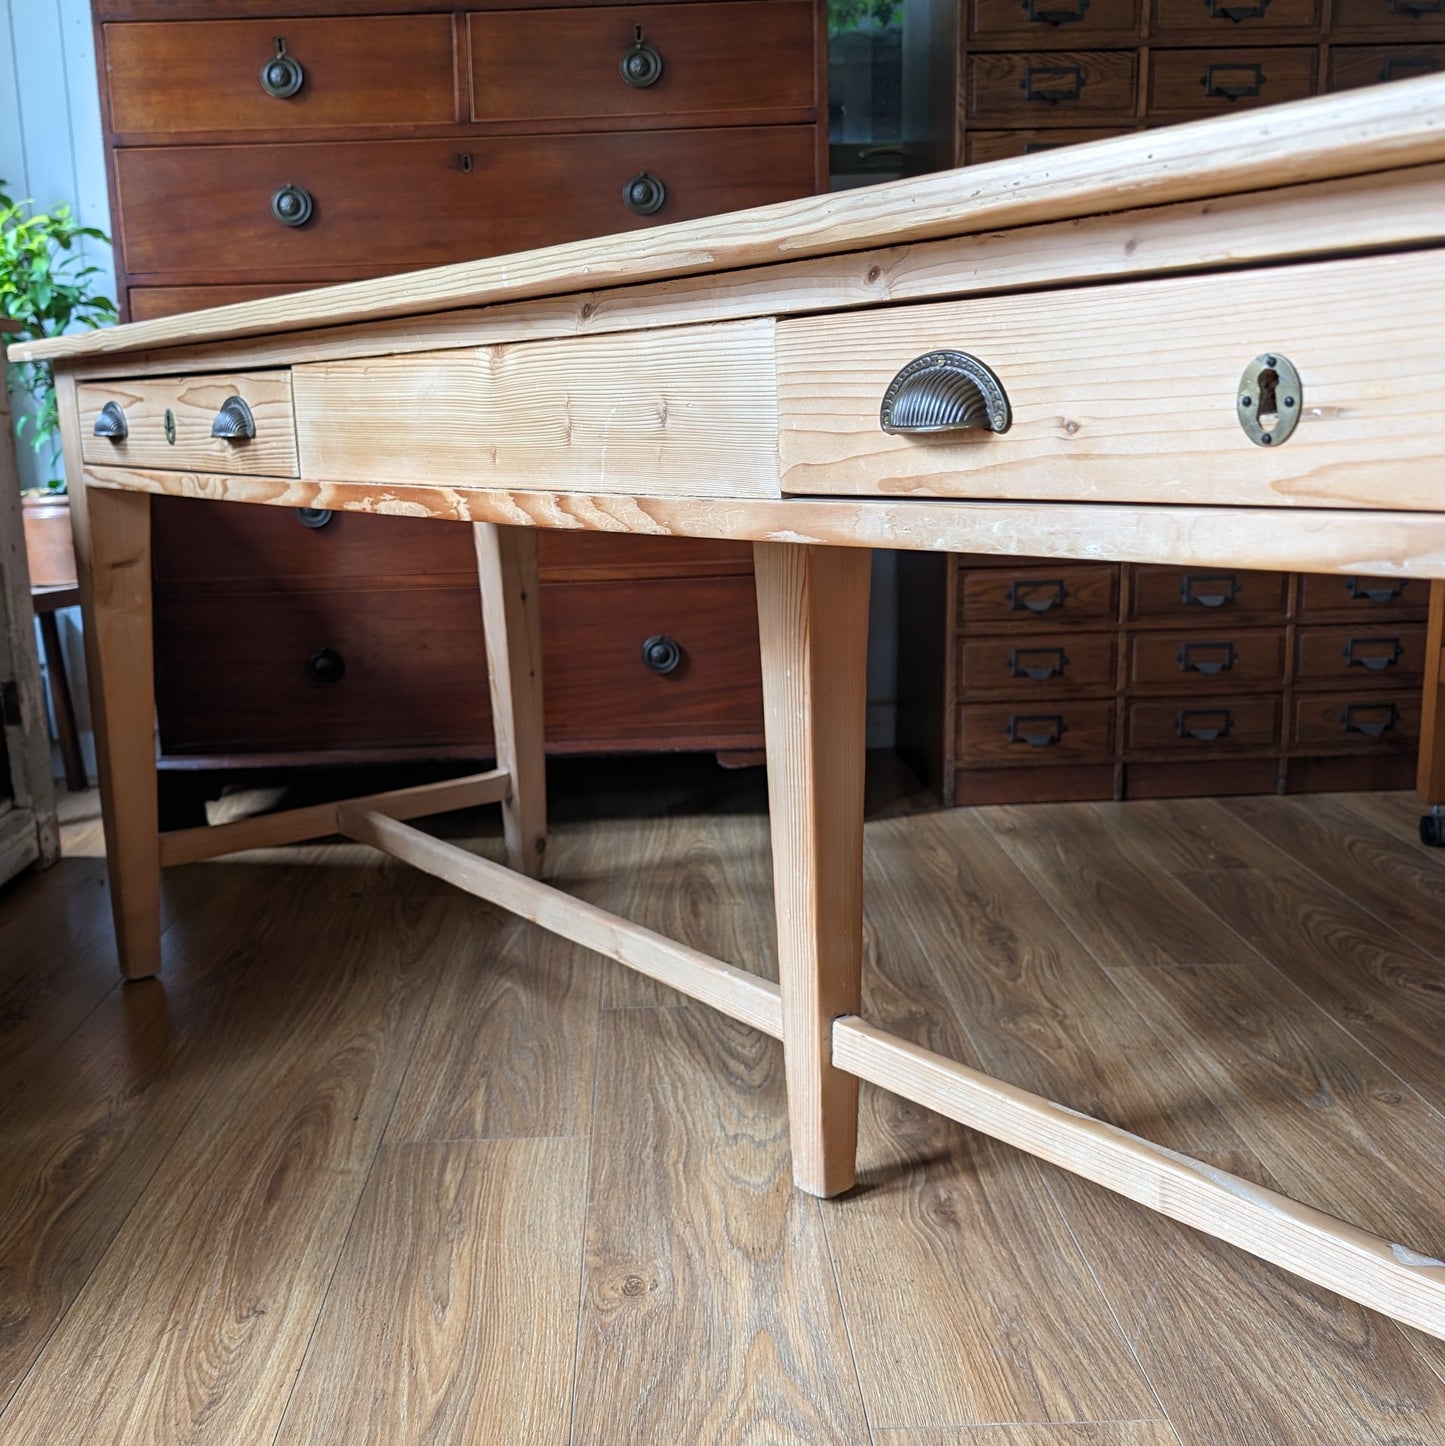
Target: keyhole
[1268,412]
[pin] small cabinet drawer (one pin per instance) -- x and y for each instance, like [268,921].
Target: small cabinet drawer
[171,78]
[693,63]
[1199,725]
[192,423]
[1206,594]
[1054,87]
[1351,656]
[1054,20]
[1402,19]
[980,146]
[1356,65]
[1181,662]
[1028,668]
[1021,734]
[1356,721]
[1218,82]
[1039,599]
[1234,18]
[1324,594]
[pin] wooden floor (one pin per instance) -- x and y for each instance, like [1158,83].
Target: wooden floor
[374,1163]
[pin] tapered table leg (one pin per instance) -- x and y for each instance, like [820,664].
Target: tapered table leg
[813,625]
[511,622]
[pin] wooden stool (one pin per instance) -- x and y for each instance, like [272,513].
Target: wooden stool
[47,601]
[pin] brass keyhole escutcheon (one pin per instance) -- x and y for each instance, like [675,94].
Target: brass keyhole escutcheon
[1270,399]
[170,425]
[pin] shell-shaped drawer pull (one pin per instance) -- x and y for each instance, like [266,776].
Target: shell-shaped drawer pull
[282,75]
[111,423]
[945,391]
[644,194]
[234,422]
[292,205]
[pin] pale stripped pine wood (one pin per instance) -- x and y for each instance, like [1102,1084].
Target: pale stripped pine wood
[1102,1433]
[1431,781]
[1406,544]
[1095,417]
[813,632]
[512,625]
[692,410]
[452,1314]
[1362,131]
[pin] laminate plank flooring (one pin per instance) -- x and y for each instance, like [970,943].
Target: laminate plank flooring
[373,1162]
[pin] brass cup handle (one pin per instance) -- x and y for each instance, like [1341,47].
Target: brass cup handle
[641,65]
[234,422]
[292,205]
[945,391]
[644,194]
[111,423]
[282,75]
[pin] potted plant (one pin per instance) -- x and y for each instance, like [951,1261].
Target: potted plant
[46,287]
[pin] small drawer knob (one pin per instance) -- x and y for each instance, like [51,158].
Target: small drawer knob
[313,517]
[282,75]
[326,667]
[111,423]
[292,205]
[640,65]
[661,653]
[644,194]
[945,391]
[234,422]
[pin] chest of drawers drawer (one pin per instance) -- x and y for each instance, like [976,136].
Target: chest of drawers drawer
[1358,721]
[1356,65]
[1051,22]
[1238,659]
[1323,596]
[241,423]
[1038,599]
[1075,665]
[1202,725]
[1206,597]
[1231,22]
[1049,88]
[986,145]
[1056,733]
[1191,83]
[1358,656]
[1412,19]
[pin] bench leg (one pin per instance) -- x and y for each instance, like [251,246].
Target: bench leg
[113,550]
[813,626]
[511,622]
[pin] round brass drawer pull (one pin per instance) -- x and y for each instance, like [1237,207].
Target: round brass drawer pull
[661,653]
[282,75]
[640,65]
[234,422]
[326,667]
[644,194]
[945,391]
[111,423]
[292,205]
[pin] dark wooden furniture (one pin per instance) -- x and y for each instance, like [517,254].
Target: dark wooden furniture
[48,601]
[418,134]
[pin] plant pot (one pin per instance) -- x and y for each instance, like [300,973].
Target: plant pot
[47,541]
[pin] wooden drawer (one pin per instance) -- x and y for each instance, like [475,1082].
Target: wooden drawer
[1356,721]
[1356,65]
[1233,21]
[146,302]
[718,63]
[980,146]
[683,410]
[1050,21]
[1325,595]
[169,420]
[1218,82]
[1051,88]
[389,668]
[1200,726]
[1213,597]
[405,204]
[1245,659]
[1397,19]
[1032,669]
[1039,598]
[1100,414]
[1019,734]
[1351,656]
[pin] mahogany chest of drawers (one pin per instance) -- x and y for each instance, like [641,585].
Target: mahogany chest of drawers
[264,147]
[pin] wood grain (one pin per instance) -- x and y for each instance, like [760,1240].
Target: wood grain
[1093,1433]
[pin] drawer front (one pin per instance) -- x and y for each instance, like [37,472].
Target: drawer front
[1097,419]
[1356,721]
[1219,82]
[1210,597]
[709,61]
[1019,734]
[1039,599]
[376,205]
[1033,669]
[168,423]
[1049,21]
[1051,88]
[1402,19]
[1200,725]
[980,146]
[689,410]
[1323,595]
[1355,656]
[1233,19]
[1184,662]
[190,77]
[1356,65]
[144,303]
